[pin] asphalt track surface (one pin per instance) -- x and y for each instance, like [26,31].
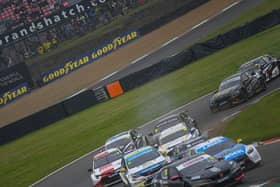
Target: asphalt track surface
[76,174]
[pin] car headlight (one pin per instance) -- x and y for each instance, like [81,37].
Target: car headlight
[250,150]
[235,93]
[234,165]
[134,178]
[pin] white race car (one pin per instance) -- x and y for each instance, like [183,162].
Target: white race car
[173,136]
[106,167]
[127,141]
[139,166]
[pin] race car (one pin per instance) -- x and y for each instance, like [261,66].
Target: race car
[127,141]
[105,168]
[268,65]
[139,166]
[173,120]
[200,170]
[173,136]
[180,151]
[236,89]
[225,148]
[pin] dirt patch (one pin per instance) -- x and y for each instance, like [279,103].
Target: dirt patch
[90,74]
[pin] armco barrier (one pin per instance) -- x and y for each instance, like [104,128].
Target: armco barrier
[31,123]
[79,102]
[200,50]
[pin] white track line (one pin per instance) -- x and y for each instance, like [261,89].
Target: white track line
[201,23]
[230,6]
[170,41]
[58,170]
[230,116]
[133,62]
[108,76]
[140,58]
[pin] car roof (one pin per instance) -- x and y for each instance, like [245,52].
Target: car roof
[172,130]
[118,137]
[211,142]
[105,153]
[190,160]
[139,152]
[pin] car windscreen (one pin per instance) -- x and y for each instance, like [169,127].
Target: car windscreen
[118,143]
[166,124]
[142,159]
[111,157]
[197,167]
[220,147]
[261,61]
[230,83]
[173,136]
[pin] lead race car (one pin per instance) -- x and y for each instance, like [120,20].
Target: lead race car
[224,148]
[139,166]
[269,66]
[105,168]
[172,120]
[237,88]
[173,136]
[199,170]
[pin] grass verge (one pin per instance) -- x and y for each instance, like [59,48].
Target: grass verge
[37,154]
[262,121]
[260,10]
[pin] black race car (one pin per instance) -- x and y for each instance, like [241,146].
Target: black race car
[200,170]
[237,88]
[268,65]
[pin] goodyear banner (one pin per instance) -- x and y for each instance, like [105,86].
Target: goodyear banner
[88,57]
[14,76]
[14,94]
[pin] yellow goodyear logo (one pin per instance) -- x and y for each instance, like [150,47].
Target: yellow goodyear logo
[89,57]
[14,94]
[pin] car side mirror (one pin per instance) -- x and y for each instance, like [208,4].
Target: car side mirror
[122,170]
[90,170]
[176,177]
[239,140]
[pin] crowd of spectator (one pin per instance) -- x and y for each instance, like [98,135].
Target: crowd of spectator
[25,11]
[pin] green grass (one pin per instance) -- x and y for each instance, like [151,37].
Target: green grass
[29,158]
[260,10]
[261,121]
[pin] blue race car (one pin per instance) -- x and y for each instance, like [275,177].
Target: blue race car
[227,149]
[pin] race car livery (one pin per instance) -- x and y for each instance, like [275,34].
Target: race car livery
[173,136]
[200,170]
[236,89]
[227,149]
[127,141]
[106,167]
[268,65]
[139,166]
[173,120]
[182,150]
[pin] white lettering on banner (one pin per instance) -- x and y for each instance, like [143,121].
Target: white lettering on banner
[45,22]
